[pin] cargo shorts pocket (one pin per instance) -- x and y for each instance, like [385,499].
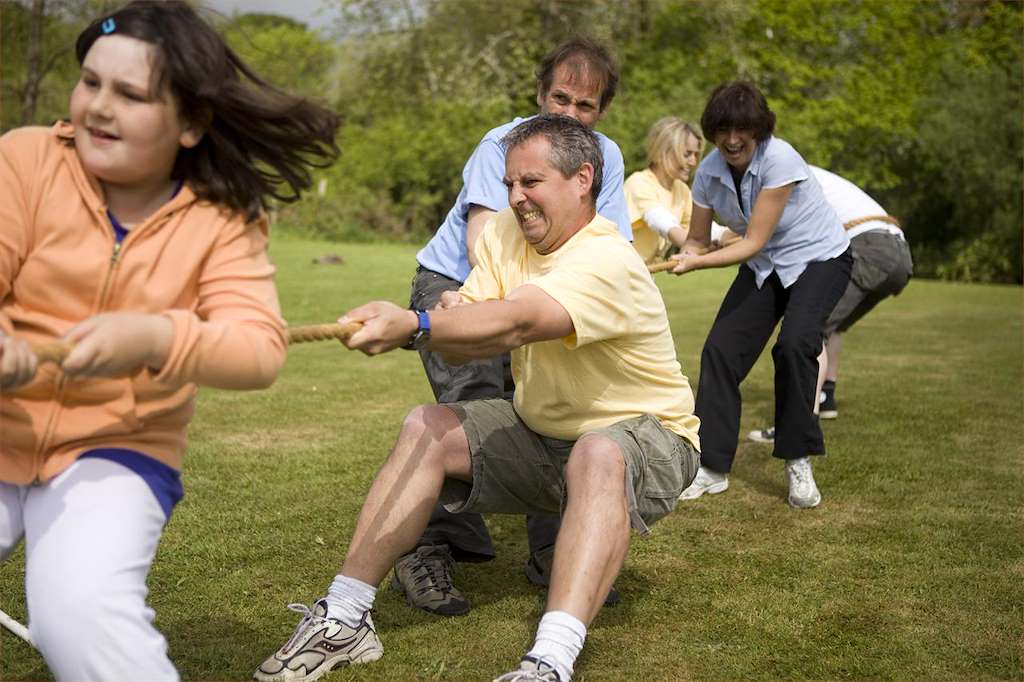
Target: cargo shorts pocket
[660,468]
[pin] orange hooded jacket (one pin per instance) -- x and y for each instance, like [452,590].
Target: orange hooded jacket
[200,265]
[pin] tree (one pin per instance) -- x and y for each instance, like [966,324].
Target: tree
[284,52]
[37,62]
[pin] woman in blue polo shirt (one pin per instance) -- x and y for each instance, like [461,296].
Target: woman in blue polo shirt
[794,265]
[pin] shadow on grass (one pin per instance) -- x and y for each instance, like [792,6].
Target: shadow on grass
[218,644]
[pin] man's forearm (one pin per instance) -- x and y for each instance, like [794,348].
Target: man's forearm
[479,330]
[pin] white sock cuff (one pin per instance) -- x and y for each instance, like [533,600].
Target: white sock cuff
[353,586]
[348,599]
[565,624]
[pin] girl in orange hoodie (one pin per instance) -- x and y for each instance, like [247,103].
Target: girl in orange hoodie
[136,232]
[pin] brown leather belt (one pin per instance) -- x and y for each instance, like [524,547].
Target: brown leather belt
[869,218]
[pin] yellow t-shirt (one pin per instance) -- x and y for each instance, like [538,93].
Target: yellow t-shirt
[643,191]
[620,361]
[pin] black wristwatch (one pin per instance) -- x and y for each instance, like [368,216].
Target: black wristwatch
[421,336]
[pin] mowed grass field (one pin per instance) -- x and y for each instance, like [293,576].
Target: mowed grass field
[911,569]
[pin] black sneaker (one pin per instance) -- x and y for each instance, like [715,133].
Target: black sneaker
[827,407]
[538,572]
[763,435]
[425,578]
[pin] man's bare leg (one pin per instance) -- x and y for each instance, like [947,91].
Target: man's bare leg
[594,538]
[338,630]
[430,447]
[589,552]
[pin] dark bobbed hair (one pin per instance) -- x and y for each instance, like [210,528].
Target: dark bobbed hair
[259,141]
[581,53]
[572,145]
[739,105]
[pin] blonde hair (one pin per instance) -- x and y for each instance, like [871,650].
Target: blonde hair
[665,143]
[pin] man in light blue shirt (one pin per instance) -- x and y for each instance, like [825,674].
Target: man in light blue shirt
[578,79]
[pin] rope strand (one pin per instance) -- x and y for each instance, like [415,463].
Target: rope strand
[57,351]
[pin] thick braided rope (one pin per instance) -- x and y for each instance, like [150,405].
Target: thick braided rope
[869,218]
[322,332]
[56,351]
[662,266]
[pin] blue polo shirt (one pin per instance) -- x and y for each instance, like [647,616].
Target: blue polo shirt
[808,230]
[482,185]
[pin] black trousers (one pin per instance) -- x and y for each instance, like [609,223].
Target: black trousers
[466,534]
[745,322]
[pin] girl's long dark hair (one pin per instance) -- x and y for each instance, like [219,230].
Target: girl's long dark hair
[259,142]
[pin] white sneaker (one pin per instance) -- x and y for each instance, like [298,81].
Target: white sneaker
[706,481]
[803,491]
[318,645]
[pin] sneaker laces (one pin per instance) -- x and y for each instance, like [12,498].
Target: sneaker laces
[308,618]
[433,570]
[801,474]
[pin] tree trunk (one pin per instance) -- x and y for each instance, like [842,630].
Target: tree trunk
[33,70]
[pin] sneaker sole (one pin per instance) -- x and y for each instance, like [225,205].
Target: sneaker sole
[802,505]
[365,657]
[712,489]
[829,414]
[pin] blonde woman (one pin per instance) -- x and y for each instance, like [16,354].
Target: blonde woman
[658,197]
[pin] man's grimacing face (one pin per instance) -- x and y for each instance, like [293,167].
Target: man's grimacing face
[547,204]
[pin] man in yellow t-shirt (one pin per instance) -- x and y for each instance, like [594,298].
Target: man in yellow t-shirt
[601,427]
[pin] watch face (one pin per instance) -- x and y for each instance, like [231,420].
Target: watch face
[421,338]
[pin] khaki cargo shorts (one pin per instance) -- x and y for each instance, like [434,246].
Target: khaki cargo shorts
[516,470]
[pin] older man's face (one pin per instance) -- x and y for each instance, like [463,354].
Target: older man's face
[550,207]
[572,94]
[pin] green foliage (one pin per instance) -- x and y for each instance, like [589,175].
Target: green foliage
[58,69]
[283,52]
[901,98]
[919,103]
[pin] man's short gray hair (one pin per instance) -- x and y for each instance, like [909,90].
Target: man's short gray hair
[572,145]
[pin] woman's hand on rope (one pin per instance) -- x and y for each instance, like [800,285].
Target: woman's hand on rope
[687,261]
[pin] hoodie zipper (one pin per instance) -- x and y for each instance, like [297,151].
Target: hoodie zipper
[51,423]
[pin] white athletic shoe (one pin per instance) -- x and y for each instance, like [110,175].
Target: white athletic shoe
[766,435]
[706,481]
[318,645]
[803,491]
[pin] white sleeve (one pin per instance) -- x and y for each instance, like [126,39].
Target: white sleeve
[660,219]
[716,231]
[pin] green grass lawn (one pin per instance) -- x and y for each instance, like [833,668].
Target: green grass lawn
[911,568]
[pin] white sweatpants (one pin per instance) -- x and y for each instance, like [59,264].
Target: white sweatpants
[90,537]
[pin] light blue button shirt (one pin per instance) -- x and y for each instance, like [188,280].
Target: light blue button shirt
[808,230]
[482,185]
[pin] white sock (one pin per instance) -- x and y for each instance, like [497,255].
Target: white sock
[559,640]
[713,475]
[348,599]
